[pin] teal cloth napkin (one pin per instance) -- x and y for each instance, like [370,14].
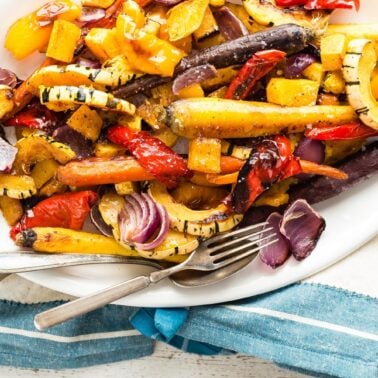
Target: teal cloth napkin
[309,327]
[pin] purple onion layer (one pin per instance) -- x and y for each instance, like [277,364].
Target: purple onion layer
[91,14]
[296,64]
[193,76]
[229,25]
[7,155]
[311,150]
[8,78]
[81,146]
[277,253]
[302,227]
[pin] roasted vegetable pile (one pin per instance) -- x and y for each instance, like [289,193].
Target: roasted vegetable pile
[167,121]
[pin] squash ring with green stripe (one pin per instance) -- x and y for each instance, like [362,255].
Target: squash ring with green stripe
[204,223]
[359,63]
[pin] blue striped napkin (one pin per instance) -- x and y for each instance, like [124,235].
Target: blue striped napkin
[326,325]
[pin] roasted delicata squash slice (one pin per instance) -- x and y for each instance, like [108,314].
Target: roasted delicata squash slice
[17,186]
[239,152]
[198,197]
[110,206]
[175,243]
[6,102]
[64,97]
[11,209]
[36,147]
[267,13]
[117,72]
[358,66]
[203,223]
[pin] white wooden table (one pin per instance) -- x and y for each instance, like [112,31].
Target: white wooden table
[166,361]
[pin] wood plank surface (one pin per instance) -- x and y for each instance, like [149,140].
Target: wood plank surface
[167,362]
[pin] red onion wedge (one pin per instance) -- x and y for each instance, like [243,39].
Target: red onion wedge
[182,146]
[87,63]
[8,78]
[146,214]
[164,227]
[48,12]
[277,253]
[76,141]
[193,76]
[302,227]
[7,155]
[142,219]
[91,14]
[308,150]
[127,223]
[229,25]
[297,63]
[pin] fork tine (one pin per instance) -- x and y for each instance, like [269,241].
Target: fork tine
[233,242]
[243,255]
[225,236]
[239,248]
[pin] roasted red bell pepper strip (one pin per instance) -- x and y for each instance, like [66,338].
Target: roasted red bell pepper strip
[320,4]
[348,131]
[67,210]
[152,154]
[290,3]
[35,116]
[270,161]
[253,70]
[332,4]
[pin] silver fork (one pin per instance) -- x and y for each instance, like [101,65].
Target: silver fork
[214,253]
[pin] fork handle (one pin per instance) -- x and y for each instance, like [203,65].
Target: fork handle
[89,303]
[101,298]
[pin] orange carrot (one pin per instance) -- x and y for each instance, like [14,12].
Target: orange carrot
[230,164]
[307,167]
[322,170]
[143,3]
[98,171]
[228,178]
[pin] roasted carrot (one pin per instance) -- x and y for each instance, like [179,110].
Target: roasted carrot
[98,171]
[230,164]
[290,38]
[307,167]
[144,3]
[228,178]
[323,170]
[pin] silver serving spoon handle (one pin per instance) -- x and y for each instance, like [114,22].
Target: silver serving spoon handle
[26,261]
